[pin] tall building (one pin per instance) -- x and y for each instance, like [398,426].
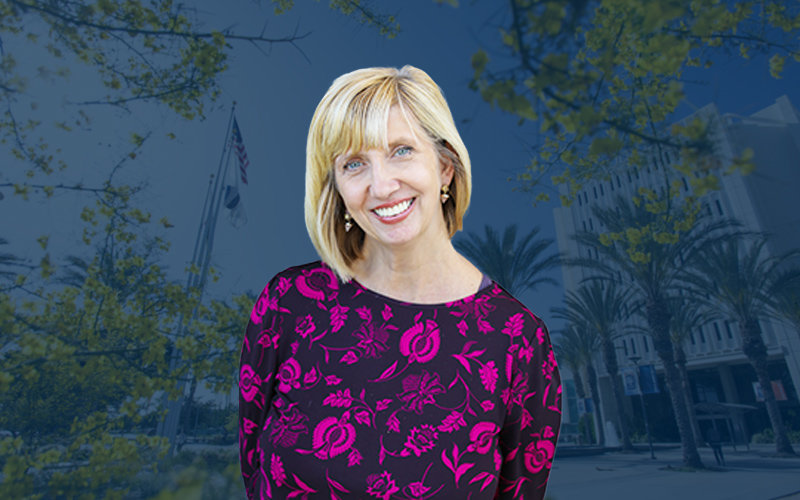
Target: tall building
[722,381]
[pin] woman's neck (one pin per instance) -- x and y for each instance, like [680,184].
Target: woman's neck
[429,276]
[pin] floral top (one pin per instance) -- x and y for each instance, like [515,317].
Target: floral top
[345,393]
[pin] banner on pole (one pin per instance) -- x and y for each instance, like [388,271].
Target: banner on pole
[648,380]
[630,381]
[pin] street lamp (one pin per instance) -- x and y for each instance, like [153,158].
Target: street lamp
[635,361]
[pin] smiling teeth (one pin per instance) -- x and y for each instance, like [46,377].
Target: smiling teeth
[394,210]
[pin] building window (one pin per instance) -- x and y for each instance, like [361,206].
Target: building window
[602,192]
[685,184]
[702,335]
[719,206]
[625,346]
[584,225]
[644,341]
[633,347]
[629,177]
[580,201]
[728,330]
[716,331]
[585,197]
[591,225]
[594,189]
[619,184]
[611,184]
[691,337]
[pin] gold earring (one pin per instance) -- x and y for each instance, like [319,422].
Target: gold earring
[348,225]
[445,194]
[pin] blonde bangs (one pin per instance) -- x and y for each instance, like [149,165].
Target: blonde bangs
[357,120]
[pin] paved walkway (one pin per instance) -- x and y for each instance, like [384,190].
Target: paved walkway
[748,475]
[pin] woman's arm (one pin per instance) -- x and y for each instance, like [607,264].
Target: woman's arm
[257,367]
[528,439]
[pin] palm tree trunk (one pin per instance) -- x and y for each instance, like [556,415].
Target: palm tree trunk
[610,359]
[680,362]
[591,375]
[658,321]
[580,389]
[755,350]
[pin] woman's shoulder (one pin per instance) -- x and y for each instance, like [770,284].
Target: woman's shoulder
[313,280]
[317,269]
[506,304]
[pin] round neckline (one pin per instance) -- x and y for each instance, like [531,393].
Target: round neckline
[393,300]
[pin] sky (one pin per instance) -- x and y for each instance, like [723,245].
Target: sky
[276,91]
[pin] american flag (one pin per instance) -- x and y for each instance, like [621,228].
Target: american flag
[241,154]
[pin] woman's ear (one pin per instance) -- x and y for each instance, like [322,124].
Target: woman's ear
[448,169]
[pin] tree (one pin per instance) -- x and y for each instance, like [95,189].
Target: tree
[9,263]
[576,349]
[141,52]
[742,281]
[787,298]
[643,245]
[516,266]
[603,79]
[685,316]
[84,365]
[599,306]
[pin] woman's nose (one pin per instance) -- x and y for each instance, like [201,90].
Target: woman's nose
[384,181]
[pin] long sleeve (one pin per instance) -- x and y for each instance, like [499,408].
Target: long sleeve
[528,439]
[257,369]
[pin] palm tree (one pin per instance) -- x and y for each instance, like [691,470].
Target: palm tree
[576,348]
[686,315]
[787,297]
[742,280]
[648,257]
[515,265]
[598,307]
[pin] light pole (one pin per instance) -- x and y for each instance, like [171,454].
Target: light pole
[635,361]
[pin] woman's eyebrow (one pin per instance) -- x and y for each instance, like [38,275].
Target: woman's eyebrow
[401,141]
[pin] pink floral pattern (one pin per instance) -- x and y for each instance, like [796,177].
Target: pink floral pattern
[421,342]
[345,393]
[248,382]
[288,375]
[381,485]
[481,437]
[421,439]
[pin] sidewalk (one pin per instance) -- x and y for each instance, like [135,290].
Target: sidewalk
[748,475]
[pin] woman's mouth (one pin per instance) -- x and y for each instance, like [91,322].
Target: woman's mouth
[394,213]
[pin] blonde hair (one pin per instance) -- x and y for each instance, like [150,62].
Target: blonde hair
[352,116]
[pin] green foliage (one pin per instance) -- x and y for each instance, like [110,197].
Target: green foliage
[768,437]
[140,52]
[603,79]
[86,360]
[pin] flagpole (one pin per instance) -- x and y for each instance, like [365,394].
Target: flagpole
[212,229]
[201,254]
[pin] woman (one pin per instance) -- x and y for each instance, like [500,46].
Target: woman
[392,368]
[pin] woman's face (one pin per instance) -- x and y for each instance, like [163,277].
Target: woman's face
[394,194]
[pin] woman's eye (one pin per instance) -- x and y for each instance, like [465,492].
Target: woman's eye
[352,164]
[402,151]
